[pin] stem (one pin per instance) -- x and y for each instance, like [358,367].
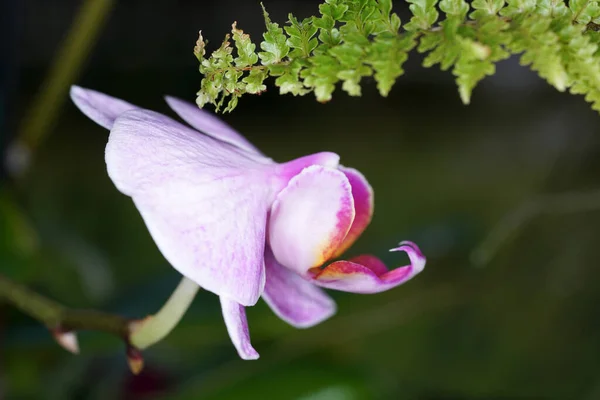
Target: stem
[156,327]
[63,72]
[140,334]
[64,322]
[44,310]
[58,317]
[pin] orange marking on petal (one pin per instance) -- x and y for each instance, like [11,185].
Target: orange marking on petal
[363,196]
[329,247]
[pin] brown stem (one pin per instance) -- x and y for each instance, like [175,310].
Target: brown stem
[58,317]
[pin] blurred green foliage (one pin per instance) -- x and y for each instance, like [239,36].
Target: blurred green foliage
[524,325]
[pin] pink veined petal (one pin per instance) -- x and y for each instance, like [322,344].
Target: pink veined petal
[367,274]
[236,322]
[204,202]
[310,218]
[363,206]
[209,124]
[99,107]
[294,299]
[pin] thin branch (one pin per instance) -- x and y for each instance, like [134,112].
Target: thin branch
[509,225]
[66,67]
[58,318]
[64,322]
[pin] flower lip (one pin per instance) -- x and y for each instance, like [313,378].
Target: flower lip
[415,255]
[368,274]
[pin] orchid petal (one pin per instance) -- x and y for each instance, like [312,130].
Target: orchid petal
[363,196]
[209,124]
[236,322]
[99,107]
[294,299]
[204,202]
[310,218]
[368,274]
[290,169]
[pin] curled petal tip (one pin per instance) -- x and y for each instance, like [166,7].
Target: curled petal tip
[67,340]
[406,243]
[135,360]
[417,259]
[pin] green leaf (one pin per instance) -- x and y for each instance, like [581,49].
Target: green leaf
[216,69]
[275,44]
[486,8]
[288,79]
[351,39]
[321,76]
[385,6]
[233,102]
[349,54]
[472,66]
[301,39]
[518,7]
[334,11]
[584,11]
[387,55]
[580,54]
[424,14]
[445,45]
[455,8]
[541,49]
[351,79]
[244,46]
[552,8]
[254,81]
[199,48]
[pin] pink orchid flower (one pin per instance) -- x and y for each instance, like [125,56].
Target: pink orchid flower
[237,223]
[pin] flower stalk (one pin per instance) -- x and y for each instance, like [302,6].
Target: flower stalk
[154,328]
[64,322]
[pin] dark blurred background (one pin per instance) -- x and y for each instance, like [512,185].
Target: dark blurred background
[503,196]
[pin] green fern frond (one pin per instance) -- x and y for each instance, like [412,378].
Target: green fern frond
[353,39]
